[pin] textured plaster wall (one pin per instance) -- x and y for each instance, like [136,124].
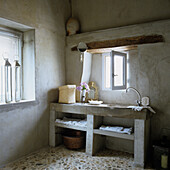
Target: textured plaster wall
[149,70]
[95,15]
[24,128]
[149,64]
[102,14]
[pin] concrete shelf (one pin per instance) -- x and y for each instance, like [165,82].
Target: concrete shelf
[113,134]
[70,126]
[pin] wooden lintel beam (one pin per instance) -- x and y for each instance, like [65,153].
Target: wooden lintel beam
[128,41]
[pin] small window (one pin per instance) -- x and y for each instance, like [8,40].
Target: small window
[10,65]
[114,70]
[17,63]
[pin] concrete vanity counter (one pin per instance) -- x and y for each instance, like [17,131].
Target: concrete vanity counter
[113,110]
[95,138]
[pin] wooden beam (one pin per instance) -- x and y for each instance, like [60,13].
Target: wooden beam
[128,41]
[106,50]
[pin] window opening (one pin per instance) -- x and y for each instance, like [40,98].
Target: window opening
[114,70]
[10,65]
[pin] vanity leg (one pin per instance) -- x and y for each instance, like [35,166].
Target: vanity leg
[89,135]
[141,141]
[52,128]
[94,142]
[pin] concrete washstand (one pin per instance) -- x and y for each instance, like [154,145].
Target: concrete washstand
[95,140]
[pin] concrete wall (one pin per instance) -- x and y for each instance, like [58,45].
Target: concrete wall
[24,128]
[95,15]
[149,64]
[149,69]
[102,14]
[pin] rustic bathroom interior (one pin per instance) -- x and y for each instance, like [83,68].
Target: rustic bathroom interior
[84,84]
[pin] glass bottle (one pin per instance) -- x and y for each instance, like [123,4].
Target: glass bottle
[17,81]
[8,81]
[2,81]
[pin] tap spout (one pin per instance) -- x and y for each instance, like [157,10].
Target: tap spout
[139,96]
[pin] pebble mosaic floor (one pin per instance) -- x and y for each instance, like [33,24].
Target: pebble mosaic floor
[60,158]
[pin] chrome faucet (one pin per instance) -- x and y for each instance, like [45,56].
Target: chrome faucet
[139,96]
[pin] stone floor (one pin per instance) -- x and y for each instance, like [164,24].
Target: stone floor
[60,158]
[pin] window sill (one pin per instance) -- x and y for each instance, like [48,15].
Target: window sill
[17,105]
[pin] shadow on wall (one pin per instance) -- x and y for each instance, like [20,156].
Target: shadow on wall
[28,138]
[53,95]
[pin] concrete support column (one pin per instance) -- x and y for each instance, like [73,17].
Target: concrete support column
[52,138]
[89,135]
[141,141]
[94,142]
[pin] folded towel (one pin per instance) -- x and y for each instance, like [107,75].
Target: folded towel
[117,129]
[70,121]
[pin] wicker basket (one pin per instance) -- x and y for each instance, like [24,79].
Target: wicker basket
[73,142]
[67,94]
[74,139]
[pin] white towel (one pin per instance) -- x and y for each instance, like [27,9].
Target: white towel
[70,121]
[136,108]
[117,129]
[140,108]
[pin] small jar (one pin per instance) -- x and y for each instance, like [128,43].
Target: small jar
[164,161]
